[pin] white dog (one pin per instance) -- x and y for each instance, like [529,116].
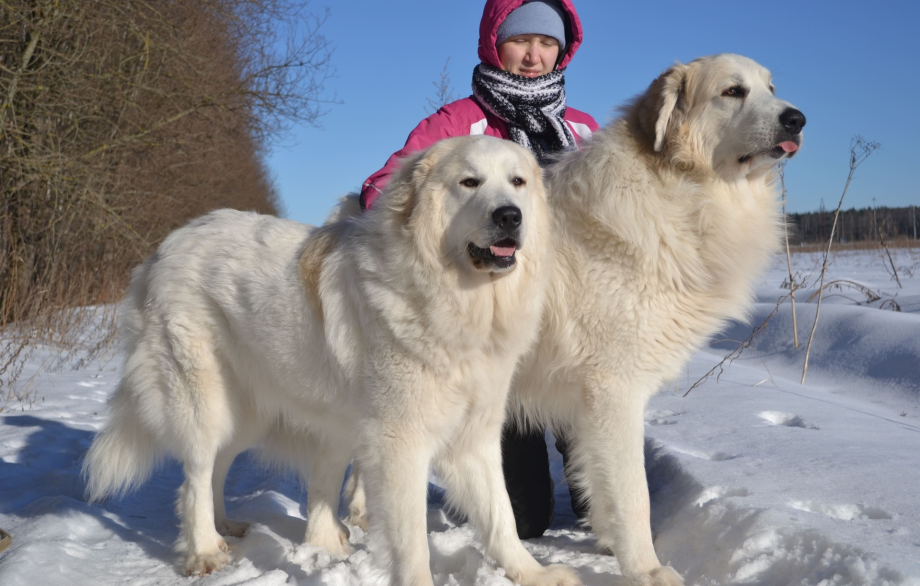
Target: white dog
[661,224]
[392,335]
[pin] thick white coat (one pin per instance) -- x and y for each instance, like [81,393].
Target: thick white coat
[660,230]
[374,336]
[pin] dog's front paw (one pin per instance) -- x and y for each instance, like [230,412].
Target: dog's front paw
[334,540]
[201,564]
[554,575]
[662,576]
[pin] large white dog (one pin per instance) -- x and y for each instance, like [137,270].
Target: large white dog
[392,335]
[661,224]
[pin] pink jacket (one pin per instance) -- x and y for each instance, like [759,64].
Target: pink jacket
[466,116]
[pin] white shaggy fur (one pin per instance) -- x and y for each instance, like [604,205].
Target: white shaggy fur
[661,222]
[379,335]
[660,230]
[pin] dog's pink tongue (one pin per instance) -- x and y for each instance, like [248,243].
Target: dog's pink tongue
[789,146]
[502,250]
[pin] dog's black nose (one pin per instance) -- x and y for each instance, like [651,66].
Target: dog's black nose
[508,218]
[792,120]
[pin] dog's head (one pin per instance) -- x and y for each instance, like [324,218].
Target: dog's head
[719,113]
[473,199]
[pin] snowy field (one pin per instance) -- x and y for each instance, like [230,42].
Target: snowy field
[755,479]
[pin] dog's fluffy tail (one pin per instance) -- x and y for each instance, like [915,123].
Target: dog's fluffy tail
[124,453]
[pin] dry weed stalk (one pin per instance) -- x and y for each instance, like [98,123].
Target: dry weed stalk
[840,284]
[860,150]
[792,284]
[742,346]
[881,239]
[870,295]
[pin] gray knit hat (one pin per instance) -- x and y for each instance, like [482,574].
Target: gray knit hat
[536,17]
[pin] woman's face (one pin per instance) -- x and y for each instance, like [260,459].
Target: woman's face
[529,55]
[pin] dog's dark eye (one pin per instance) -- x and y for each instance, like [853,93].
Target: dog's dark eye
[735,92]
[517,182]
[470,182]
[772,89]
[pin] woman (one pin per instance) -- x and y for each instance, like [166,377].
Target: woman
[519,95]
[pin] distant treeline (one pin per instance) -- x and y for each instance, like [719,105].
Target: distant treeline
[122,119]
[855,225]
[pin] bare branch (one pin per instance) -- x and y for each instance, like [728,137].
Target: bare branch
[444,94]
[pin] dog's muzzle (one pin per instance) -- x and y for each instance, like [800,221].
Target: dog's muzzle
[788,137]
[792,122]
[499,255]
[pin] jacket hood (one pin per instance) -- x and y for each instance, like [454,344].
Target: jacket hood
[495,13]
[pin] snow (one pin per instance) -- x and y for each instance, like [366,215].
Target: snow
[755,478]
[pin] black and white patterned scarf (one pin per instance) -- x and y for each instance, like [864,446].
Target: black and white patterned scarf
[532,107]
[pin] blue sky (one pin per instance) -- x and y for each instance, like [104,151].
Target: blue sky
[847,65]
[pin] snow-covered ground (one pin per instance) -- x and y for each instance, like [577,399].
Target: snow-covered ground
[755,479]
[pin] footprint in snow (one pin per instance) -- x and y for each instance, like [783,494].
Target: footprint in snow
[785,419]
[90,384]
[663,417]
[719,492]
[842,512]
[704,455]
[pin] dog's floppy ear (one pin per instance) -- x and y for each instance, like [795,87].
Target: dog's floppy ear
[408,179]
[657,107]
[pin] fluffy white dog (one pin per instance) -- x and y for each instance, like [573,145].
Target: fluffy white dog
[661,224]
[392,335]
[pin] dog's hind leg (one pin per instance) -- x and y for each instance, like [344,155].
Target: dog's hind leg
[201,420]
[207,551]
[324,529]
[222,464]
[472,470]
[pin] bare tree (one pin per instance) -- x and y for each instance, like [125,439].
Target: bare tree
[860,150]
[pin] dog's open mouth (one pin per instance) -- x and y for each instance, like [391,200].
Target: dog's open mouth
[786,148]
[499,255]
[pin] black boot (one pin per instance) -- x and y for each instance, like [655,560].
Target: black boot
[579,501]
[526,466]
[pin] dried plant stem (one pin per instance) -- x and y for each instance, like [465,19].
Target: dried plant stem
[739,349]
[881,239]
[860,150]
[792,283]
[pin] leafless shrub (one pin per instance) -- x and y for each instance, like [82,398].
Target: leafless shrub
[119,121]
